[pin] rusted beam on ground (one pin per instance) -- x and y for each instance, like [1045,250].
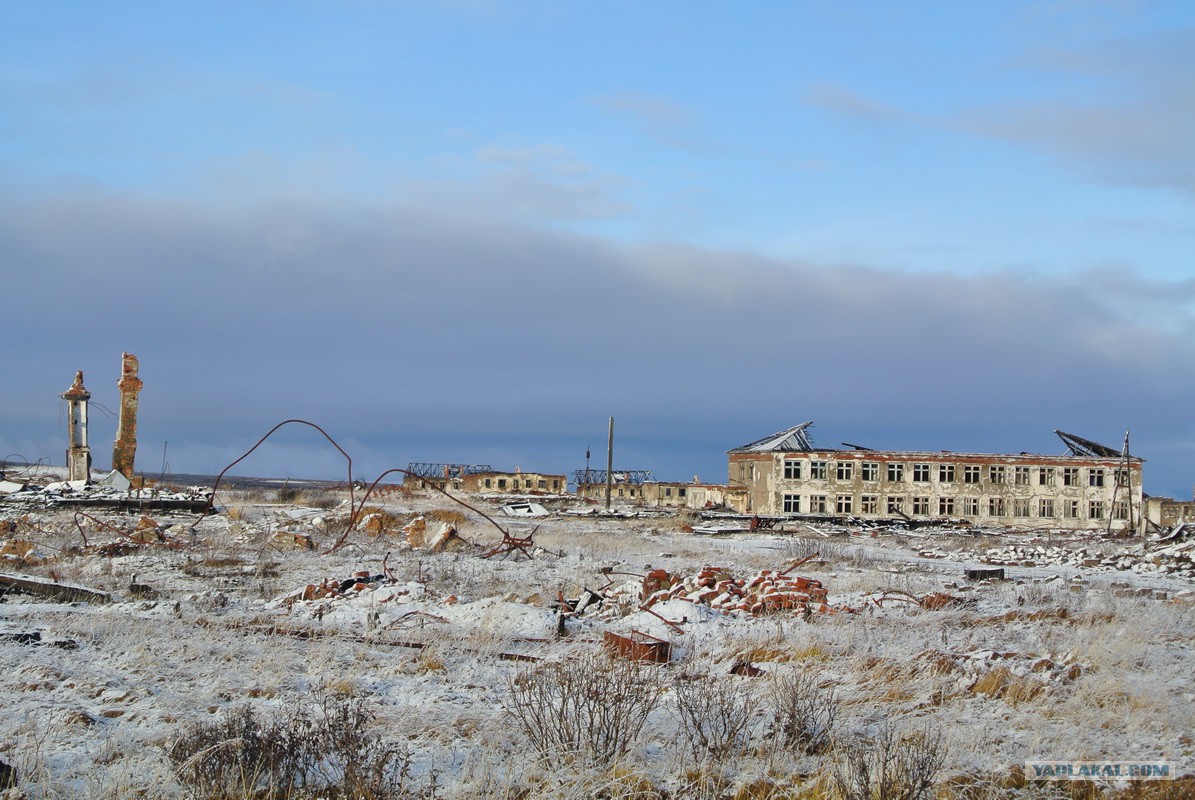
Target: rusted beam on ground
[60,592]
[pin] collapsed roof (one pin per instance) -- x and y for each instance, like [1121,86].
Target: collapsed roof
[794,439]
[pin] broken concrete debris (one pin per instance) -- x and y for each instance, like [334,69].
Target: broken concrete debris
[1171,556]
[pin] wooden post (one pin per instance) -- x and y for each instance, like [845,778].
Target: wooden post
[609,463]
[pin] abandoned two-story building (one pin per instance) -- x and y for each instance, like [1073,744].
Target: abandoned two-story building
[483,479]
[1091,487]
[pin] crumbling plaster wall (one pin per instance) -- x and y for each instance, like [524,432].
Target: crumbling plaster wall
[764,476]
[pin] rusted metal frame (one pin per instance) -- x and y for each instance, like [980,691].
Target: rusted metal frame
[800,563]
[354,507]
[610,581]
[365,497]
[99,522]
[512,544]
[212,500]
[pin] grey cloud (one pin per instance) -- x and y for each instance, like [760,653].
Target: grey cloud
[422,332]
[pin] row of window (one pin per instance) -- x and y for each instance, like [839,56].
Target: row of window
[1045,508]
[895,471]
[540,483]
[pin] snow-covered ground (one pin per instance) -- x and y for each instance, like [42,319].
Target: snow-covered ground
[1060,660]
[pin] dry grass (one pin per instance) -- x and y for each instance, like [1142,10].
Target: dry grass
[1002,683]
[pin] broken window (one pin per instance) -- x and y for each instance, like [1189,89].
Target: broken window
[1120,510]
[1070,476]
[817,503]
[1095,476]
[792,469]
[921,473]
[971,506]
[844,504]
[845,471]
[543,484]
[869,503]
[526,483]
[817,470]
[1095,509]
[946,506]
[502,483]
[1020,508]
[792,504]
[921,505]
[896,505]
[871,471]
[1020,476]
[1045,477]
[1045,508]
[680,492]
[896,472]
[996,474]
[487,483]
[946,473]
[971,474]
[1070,509]
[1122,477]
[668,491]
[995,506]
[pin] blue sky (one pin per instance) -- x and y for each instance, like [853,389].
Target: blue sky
[472,230]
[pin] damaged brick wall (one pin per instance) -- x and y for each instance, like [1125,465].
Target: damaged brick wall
[124,452]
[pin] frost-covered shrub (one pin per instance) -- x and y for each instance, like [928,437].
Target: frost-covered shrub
[592,709]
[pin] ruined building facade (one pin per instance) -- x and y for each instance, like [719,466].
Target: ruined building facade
[1091,488]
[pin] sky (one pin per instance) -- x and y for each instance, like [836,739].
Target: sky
[472,231]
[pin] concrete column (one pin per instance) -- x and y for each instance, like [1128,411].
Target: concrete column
[78,454]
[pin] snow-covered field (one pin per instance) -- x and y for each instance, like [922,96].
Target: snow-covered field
[1069,658]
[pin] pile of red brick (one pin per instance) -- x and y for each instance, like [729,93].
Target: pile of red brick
[766,593]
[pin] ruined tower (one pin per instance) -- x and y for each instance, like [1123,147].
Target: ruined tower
[78,454]
[125,450]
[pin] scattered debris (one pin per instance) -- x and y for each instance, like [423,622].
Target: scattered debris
[36,639]
[638,646]
[524,510]
[1171,555]
[930,602]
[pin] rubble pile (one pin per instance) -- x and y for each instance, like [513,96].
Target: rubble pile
[766,592]
[1007,675]
[1173,556]
[384,590]
[102,494]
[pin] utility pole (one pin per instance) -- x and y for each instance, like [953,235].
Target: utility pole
[609,462]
